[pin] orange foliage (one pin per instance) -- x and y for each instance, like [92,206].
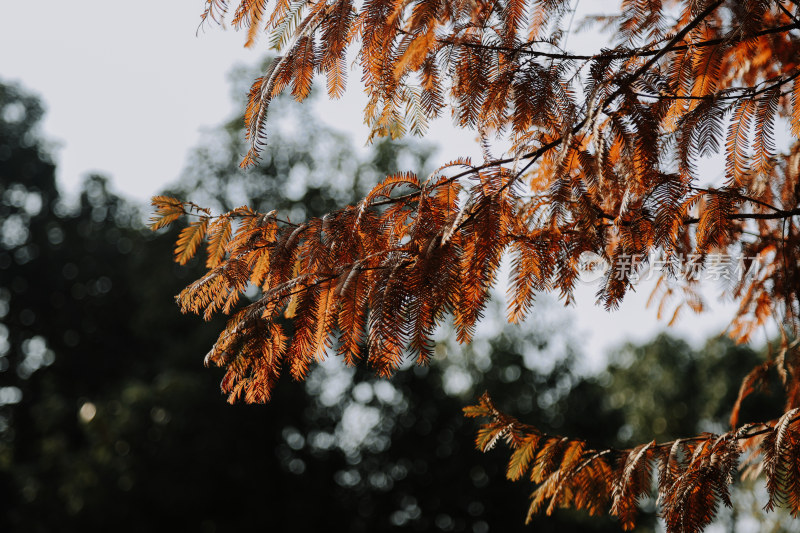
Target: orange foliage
[603,158]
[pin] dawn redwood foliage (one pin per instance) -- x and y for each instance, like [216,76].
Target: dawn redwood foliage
[601,161]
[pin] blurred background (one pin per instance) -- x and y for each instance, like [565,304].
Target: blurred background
[109,419]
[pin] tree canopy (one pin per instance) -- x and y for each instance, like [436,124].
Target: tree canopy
[601,163]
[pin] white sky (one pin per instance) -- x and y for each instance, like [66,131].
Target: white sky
[128,86]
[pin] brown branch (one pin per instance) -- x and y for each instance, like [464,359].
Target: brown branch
[474,170]
[737,195]
[765,427]
[789,14]
[746,92]
[782,214]
[638,52]
[209,216]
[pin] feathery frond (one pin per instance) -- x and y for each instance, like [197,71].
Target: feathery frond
[602,159]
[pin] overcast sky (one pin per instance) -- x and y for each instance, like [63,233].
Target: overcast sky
[128,86]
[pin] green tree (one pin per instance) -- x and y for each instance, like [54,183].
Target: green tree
[699,386]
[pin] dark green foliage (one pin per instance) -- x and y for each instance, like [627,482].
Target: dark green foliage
[665,389]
